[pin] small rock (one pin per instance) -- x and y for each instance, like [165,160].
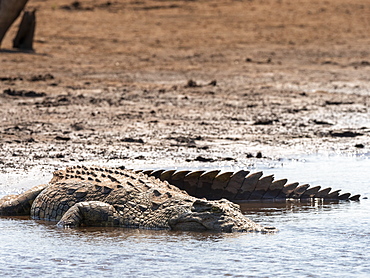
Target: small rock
[360,146]
[318,122]
[333,102]
[228,159]
[23,93]
[213,83]
[203,159]
[345,134]
[61,138]
[132,140]
[192,84]
[41,77]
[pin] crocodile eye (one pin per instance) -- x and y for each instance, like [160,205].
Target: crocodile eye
[216,209]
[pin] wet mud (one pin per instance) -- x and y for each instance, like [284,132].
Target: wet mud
[186,81]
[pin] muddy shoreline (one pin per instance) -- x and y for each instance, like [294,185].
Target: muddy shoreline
[135,83]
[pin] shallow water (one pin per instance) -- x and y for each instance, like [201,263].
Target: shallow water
[315,240]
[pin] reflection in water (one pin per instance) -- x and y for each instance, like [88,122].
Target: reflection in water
[311,238]
[262,210]
[289,205]
[316,239]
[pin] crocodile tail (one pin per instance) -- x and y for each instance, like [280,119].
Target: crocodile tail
[20,204]
[243,186]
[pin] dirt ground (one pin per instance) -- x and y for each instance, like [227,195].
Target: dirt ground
[222,81]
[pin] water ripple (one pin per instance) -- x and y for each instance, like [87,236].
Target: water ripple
[315,240]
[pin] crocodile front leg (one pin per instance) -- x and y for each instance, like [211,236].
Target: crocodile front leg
[92,213]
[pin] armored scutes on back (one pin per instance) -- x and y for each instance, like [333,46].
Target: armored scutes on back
[94,196]
[243,186]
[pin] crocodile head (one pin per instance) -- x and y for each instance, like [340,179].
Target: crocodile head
[218,216]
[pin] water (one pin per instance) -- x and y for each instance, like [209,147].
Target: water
[315,240]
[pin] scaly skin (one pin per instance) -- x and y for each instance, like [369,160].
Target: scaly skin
[243,186]
[93,196]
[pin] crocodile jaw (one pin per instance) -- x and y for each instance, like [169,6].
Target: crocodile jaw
[216,216]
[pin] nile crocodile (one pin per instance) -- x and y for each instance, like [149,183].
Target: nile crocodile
[97,196]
